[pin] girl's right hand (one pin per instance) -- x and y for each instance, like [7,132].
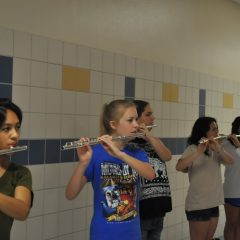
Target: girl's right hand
[234,139]
[84,153]
[203,146]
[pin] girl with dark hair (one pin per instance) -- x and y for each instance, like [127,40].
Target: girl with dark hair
[202,162]
[231,185]
[113,168]
[155,195]
[15,180]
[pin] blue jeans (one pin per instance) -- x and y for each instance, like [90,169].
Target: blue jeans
[151,228]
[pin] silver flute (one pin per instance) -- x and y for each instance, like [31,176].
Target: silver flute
[93,141]
[13,150]
[216,138]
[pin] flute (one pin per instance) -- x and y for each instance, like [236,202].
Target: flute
[93,141]
[13,150]
[216,138]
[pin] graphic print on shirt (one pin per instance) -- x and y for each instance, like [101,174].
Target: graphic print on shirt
[159,186]
[119,189]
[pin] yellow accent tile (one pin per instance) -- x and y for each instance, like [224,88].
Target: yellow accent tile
[75,79]
[227,100]
[170,92]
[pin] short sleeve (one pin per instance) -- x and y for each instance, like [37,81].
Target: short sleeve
[189,150]
[24,178]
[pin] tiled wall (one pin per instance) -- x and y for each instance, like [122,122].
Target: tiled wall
[61,88]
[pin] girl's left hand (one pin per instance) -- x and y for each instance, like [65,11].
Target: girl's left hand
[234,139]
[214,144]
[109,146]
[143,129]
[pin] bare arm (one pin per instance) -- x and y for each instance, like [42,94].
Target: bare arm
[162,151]
[78,180]
[17,207]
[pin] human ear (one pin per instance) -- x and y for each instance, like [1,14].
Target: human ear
[113,125]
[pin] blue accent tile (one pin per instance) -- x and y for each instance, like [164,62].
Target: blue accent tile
[202,97]
[129,87]
[202,111]
[68,155]
[5,91]
[36,152]
[21,157]
[6,69]
[181,145]
[53,151]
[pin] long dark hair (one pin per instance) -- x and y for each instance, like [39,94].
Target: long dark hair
[5,104]
[235,128]
[200,129]
[140,105]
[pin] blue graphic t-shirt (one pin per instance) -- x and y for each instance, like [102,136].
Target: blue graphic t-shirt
[115,187]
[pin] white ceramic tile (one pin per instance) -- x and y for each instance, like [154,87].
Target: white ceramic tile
[66,171]
[89,215]
[70,54]
[82,103]
[130,66]
[96,82]
[65,222]
[19,230]
[107,99]
[157,105]
[149,70]
[39,48]
[21,96]
[35,228]
[68,102]
[37,125]
[51,200]
[80,235]
[79,219]
[54,76]
[52,175]
[120,64]
[189,95]
[53,101]
[182,77]
[64,203]
[37,176]
[139,88]
[140,67]
[21,71]
[94,126]
[66,237]
[95,104]
[53,126]
[175,75]
[96,59]
[108,83]
[149,89]
[82,126]
[22,44]
[38,100]
[37,208]
[38,74]
[55,51]
[208,98]
[167,73]
[81,200]
[108,62]
[174,113]
[157,91]
[158,72]
[119,85]
[83,57]
[25,126]
[6,42]
[68,129]
[165,128]
[195,93]
[51,222]
[166,110]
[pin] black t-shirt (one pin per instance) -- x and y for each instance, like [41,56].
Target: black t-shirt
[155,195]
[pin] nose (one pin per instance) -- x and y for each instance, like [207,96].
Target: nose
[14,133]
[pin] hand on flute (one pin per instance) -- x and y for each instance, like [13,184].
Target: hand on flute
[234,140]
[85,152]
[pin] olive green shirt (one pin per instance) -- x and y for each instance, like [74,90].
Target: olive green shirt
[14,176]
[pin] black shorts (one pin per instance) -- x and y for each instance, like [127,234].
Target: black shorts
[203,214]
